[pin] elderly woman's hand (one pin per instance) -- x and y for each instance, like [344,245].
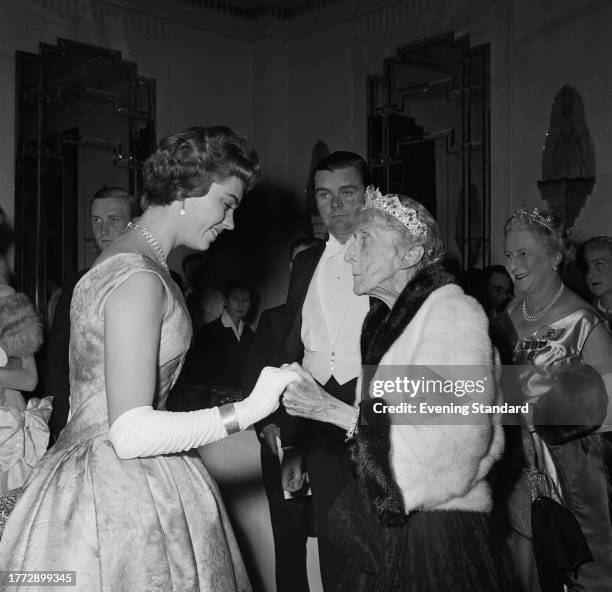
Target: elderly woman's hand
[304,397]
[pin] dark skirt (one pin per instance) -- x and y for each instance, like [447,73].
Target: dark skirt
[431,552]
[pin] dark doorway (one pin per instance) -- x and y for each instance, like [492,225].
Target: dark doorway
[429,137]
[85,118]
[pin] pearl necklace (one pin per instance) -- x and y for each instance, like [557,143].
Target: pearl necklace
[148,236]
[538,315]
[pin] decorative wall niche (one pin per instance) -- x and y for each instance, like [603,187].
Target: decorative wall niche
[568,159]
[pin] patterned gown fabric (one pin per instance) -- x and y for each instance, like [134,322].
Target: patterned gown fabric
[24,436]
[148,524]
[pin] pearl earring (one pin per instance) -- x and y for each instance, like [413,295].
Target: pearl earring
[182,210]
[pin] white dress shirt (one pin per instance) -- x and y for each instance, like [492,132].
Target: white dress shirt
[332,317]
[226,321]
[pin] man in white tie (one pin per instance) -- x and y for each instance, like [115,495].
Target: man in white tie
[324,319]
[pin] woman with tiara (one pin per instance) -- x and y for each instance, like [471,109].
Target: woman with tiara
[564,354]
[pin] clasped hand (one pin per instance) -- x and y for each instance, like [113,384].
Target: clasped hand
[304,397]
[264,399]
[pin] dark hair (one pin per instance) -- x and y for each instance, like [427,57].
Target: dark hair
[107,192]
[241,285]
[342,159]
[303,241]
[489,271]
[238,285]
[200,258]
[595,242]
[186,164]
[481,279]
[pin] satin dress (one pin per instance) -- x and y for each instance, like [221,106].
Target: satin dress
[156,523]
[577,465]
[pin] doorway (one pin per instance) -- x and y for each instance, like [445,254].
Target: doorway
[85,119]
[429,137]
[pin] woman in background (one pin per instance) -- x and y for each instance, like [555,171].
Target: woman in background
[25,433]
[221,347]
[216,361]
[563,351]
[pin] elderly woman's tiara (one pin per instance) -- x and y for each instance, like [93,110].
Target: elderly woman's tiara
[392,205]
[536,215]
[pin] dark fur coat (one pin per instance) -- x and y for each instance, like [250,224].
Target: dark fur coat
[430,465]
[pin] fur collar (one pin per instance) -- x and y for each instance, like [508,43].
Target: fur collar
[381,328]
[20,327]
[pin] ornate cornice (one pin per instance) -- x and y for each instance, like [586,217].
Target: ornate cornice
[402,12]
[104,14]
[265,10]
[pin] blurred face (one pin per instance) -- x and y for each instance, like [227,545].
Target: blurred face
[529,264]
[374,258]
[238,304]
[499,291]
[206,217]
[109,217]
[599,272]
[340,195]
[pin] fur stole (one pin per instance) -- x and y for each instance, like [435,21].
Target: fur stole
[381,329]
[21,332]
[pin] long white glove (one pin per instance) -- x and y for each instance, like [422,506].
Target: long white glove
[144,431]
[264,397]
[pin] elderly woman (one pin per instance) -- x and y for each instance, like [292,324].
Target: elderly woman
[562,348]
[416,518]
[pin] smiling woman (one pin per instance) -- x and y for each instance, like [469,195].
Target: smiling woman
[564,352]
[113,499]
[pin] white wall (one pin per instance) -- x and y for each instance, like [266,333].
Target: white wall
[203,77]
[288,84]
[536,48]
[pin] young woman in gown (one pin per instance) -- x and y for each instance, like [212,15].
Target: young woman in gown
[118,499]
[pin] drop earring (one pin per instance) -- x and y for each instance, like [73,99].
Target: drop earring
[182,210]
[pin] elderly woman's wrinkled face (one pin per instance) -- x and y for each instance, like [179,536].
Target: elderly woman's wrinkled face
[375,258]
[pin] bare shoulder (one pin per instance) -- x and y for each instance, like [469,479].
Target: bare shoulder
[141,291]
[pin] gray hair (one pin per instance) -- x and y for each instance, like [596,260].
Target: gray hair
[553,235]
[433,247]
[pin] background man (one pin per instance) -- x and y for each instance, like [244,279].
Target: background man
[324,318]
[111,208]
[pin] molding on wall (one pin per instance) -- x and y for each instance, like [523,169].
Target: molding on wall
[264,10]
[104,14]
[398,13]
